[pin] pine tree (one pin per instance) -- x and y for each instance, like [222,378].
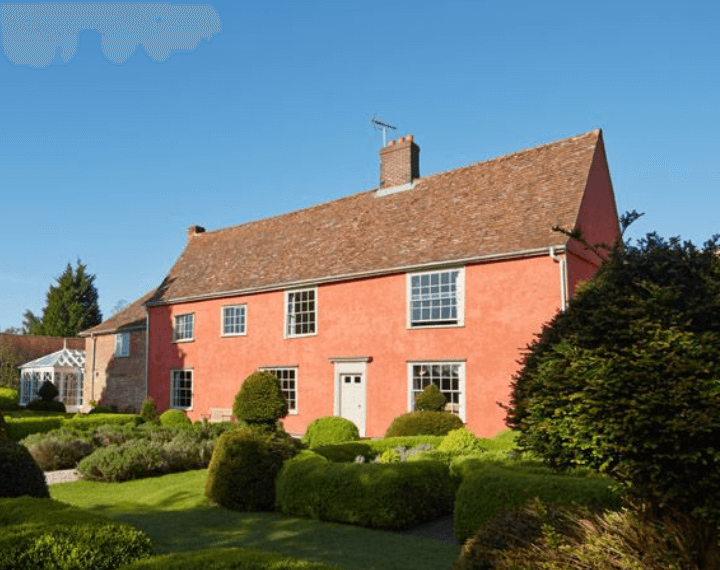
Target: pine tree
[72,304]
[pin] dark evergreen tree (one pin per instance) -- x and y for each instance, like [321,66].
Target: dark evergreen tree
[72,304]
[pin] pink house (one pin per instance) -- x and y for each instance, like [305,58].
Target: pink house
[358,303]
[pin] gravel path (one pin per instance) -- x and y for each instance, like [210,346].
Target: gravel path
[64,476]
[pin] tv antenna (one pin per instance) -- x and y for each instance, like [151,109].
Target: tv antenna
[381,126]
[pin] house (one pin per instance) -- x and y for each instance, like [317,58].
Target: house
[359,303]
[116,363]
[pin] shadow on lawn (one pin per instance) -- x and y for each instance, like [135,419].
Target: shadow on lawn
[345,545]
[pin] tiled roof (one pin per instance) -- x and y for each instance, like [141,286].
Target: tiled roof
[131,317]
[503,206]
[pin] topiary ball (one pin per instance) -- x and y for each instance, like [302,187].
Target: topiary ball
[423,423]
[174,418]
[244,465]
[431,399]
[330,430]
[260,401]
[19,474]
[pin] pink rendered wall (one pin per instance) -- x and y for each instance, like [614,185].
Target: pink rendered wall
[506,304]
[598,220]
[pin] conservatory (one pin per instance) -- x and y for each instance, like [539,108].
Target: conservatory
[64,368]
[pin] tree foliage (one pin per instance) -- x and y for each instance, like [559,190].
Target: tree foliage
[260,401]
[627,380]
[71,306]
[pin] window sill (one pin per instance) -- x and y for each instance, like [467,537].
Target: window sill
[424,327]
[233,335]
[181,340]
[300,335]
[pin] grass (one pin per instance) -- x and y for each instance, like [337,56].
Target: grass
[174,512]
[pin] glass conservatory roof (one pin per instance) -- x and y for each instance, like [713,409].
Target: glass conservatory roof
[62,358]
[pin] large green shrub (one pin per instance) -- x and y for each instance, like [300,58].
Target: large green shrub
[390,496]
[423,423]
[9,398]
[244,466]
[626,380]
[41,533]
[260,401]
[174,418]
[486,490]
[329,430]
[48,391]
[19,474]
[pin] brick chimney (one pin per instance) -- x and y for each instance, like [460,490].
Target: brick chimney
[194,230]
[399,162]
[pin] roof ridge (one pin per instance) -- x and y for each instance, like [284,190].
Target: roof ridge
[419,180]
[502,157]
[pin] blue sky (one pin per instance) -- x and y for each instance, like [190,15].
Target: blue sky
[111,162]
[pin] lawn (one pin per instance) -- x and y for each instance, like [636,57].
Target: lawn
[174,512]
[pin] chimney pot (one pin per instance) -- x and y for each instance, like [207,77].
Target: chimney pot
[194,230]
[409,138]
[391,143]
[401,140]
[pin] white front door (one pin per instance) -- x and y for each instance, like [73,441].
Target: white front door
[352,398]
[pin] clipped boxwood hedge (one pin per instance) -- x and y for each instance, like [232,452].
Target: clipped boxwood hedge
[487,488]
[372,448]
[42,533]
[227,559]
[20,428]
[424,423]
[330,430]
[387,496]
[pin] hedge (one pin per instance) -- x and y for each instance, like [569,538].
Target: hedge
[92,421]
[487,488]
[387,496]
[423,423]
[42,533]
[20,428]
[227,559]
[372,448]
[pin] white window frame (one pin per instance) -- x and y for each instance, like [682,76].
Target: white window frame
[174,397]
[288,333]
[176,329]
[122,344]
[294,370]
[243,332]
[461,382]
[459,299]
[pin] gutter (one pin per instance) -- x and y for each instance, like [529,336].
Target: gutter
[563,276]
